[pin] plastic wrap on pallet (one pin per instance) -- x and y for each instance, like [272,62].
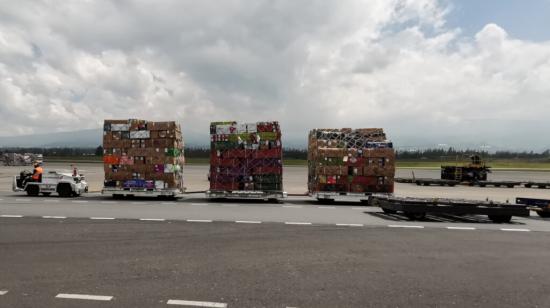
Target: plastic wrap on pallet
[350,160]
[245,156]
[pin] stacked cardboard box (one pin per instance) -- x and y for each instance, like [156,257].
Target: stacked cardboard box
[350,160]
[139,154]
[245,157]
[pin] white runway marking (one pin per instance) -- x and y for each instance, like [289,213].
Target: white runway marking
[461,228]
[326,207]
[248,222]
[293,206]
[358,208]
[80,201]
[102,218]
[198,220]
[349,225]
[230,205]
[297,223]
[196,303]
[11,216]
[152,219]
[51,201]
[1,199]
[23,200]
[54,217]
[109,202]
[517,230]
[168,203]
[200,204]
[3,292]
[85,296]
[405,226]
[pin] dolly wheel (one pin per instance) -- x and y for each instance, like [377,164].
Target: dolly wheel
[388,211]
[64,190]
[543,214]
[500,218]
[415,216]
[46,194]
[32,190]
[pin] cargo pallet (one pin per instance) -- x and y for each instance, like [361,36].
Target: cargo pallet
[541,206]
[142,192]
[246,194]
[331,196]
[436,182]
[417,208]
[536,184]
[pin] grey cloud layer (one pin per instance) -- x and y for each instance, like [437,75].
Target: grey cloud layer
[69,65]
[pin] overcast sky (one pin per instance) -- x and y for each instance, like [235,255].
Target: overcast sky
[429,72]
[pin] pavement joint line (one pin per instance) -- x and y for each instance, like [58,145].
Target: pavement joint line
[84,296]
[461,228]
[248,222]
[199,220]
[297,223]
[3,292]
[102,218]
[326,207]
[54,217]
[516,230]
[406,226]
[350,225]
[195,303]
[11,216]
[152,219]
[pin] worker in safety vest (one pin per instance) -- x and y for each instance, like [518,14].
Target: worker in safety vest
[37,172]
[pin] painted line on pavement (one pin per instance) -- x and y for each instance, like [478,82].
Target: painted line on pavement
[248,222]
[23,200]
[350,225]
[11,216]
[297,223]
[200,204]
[102,218]
[405,226]
[168,203]
[196,303]
[54,217]
[79,201]
[199,220]
[84,296]
[230,205]
[326,207]
[152,219]
[358,208]
[109,202]
[461,228]
[1,199]
[3,292]
[516,230]
[51,201]
[293,206]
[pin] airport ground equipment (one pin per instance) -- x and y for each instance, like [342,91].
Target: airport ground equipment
[66,184]
[532,184]
[473,171]
[417,208]
[541,206]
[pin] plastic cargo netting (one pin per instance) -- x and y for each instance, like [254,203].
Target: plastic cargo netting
[140,154]
[245,157]
[350,160]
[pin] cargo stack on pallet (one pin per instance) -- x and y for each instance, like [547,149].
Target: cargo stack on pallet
[142,156]
[349,162]
[245,160]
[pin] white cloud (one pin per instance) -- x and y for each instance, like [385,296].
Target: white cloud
[306,63]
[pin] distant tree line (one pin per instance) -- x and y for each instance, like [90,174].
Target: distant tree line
[295,153]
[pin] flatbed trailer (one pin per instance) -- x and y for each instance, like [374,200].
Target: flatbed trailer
[509,184]
[532,184]
[541,206]
[331,196]
[417,208]
[246,194]
[143,192]
[435,182]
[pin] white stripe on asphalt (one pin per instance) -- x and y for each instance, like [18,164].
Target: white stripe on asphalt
[109,202]
[1,199]
[80,201]
[230,205]
[55,217]
[168,203]
[152,219]
[248,222]
[405,226]
[23,200]
[326,207]
[198,220]
[196,303]
[293,206]
[358,208]
[349,225]
[297,223]
[11,216]
[199,204]
[518,230]
[51,201]
[102,218]
[461,228]
[85,296]
[3,292]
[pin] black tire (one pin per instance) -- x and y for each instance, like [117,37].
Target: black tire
[273,200]
[500,218]
[452,185]
[418,183]
[482,185]
[543,214]
[64,190]
[46,194]
[510,185]
[426,184]
[542,186]
[389,211]
[118,196]
[415,216]
[497,185]
[528,185]
[33,190]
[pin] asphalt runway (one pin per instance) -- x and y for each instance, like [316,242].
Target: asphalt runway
[123,263]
